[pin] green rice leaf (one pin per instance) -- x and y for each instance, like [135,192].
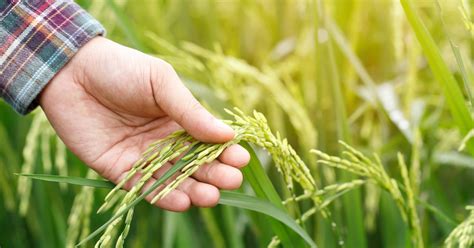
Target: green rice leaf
[96,183]
[240,200]
[125,24]
[272,207]
[232,199]
[170,229]
[441,72]
[264,189]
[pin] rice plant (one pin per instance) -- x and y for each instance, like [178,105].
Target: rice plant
[359,164]
[39,141]
[251,129]
[463,235]
[393,78]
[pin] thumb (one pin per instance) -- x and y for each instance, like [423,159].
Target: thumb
[177,101]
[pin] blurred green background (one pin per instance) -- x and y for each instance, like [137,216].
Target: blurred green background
[321,71]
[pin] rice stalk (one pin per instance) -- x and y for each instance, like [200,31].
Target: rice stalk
[357,163]
[466,15]
[8,195]
[375,97]
[237,80]
[328,190]
[371,206]
[61,160]
[7,157]
[354,36]
[253,129]
[396,13]
[270,82]
[463,235]
[329,199]
[351,203]
[410,208]
[79,217]
[328,194]
[29,156]
[38,142]
[455,47]
[466,138]
[287,161]
[453,93]
[46,150]
[212,226]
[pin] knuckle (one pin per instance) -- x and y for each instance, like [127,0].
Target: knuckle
[165,69]
[211,168]
[160,71]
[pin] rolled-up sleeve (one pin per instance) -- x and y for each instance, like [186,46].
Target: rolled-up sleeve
[37,38]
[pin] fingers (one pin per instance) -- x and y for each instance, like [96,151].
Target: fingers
[203,192]
[236,156]
[221,175]
[200,194]
[224,173]
[178,102]
[176,200]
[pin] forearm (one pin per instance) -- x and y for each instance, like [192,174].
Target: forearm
[38,39]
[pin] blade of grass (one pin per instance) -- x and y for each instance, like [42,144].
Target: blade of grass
[210,222]
[351,202]
[457,54]
[44,216]
[437,212]
[6,192]
[125,25]
[188,235]
[266,190]
[364,76]
[463,71]
[231,229]
[393,231]
[452,92]
[169,229]
[454,159]
[240,200]
[96,183]
[232,199]
[263,187]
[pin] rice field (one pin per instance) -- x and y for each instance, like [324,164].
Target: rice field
[358,115]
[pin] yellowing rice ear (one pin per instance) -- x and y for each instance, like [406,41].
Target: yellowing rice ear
[253,129]
[322,88]
[463,234]
[357,163]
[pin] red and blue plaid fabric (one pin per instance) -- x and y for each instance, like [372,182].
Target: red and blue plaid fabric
[37,38]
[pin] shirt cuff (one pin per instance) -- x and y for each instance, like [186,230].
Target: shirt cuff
[38,38]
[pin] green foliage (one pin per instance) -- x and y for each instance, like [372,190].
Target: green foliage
[233,199]
[385,76]
[463,235]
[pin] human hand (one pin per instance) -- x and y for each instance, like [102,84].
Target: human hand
[110,102]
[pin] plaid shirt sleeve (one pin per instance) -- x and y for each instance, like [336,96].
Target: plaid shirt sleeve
[37,38]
